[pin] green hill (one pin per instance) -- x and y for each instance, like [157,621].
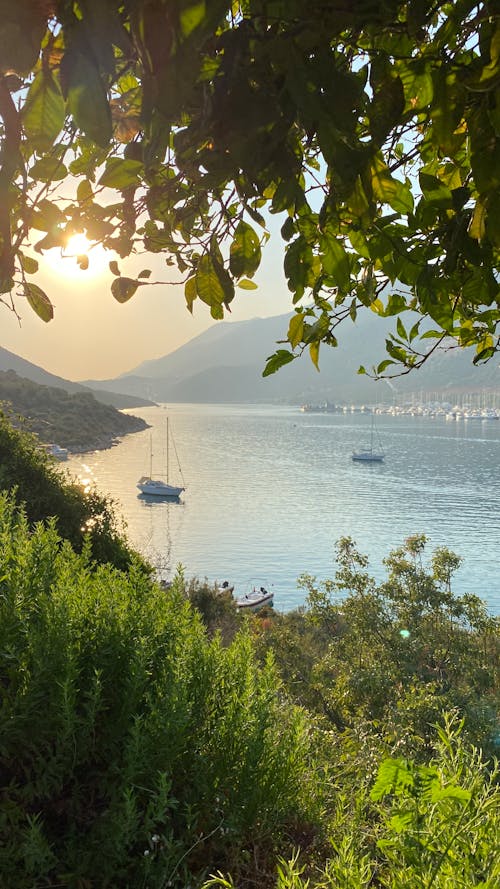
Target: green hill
[76,421]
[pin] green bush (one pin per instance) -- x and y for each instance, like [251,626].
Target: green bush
[433,826]
[134,750]
[37,483]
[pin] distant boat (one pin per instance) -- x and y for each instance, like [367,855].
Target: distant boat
[159,487]
[256,599]
[57,451]
[369,455]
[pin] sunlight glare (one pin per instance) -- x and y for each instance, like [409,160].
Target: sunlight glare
[80,258]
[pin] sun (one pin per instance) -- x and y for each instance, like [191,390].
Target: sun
[79,258]
[77,245]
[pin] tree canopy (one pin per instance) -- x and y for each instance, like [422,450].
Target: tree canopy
[372,129]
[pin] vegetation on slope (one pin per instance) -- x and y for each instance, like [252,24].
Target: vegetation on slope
[80,516]
[155,739]
[76,421]
[133,749]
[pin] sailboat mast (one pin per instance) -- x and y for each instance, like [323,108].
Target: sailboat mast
[167,450]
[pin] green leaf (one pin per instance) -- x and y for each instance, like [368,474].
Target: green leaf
[295,330]
[393,776]
[86,95]
[436,192]
[245,251]
[190,292]
[44,110]
[48,169]
[47,216]
[477,227]
[84,193]
[216,311]
[314,353]
[279,359]
[401,329]
[335,262]
[208,285]
[191,16]
[401,821]
[39,301]
[451,792]
[387,107]
[384,365]
[446,110]
[29,265]
[245,284]
[146,273]
[113,267]
[417,84]
[121,173]
[83,261]
[389,190]
[124,288]
[377,306]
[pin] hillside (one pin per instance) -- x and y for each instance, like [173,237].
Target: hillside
[225,364]
[10,361]
[76,421]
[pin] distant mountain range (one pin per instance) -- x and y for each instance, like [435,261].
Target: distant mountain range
[225,364]
[29,371]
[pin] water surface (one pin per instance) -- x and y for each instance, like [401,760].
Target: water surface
[270,489]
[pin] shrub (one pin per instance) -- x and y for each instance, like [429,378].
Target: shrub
[27,471]
[133,749]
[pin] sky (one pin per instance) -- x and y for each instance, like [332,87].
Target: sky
[94,337]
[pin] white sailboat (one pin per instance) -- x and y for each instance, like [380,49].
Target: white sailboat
[369,455]
[159,487]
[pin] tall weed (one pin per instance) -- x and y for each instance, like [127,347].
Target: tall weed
[133,749]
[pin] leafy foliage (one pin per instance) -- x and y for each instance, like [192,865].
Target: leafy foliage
[133,749]
[426,826]
[372,130]
[81,517]
[384,662]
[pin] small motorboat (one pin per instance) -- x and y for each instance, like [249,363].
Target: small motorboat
[256,599]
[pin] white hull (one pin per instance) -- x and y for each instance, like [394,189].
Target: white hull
[254,600]
[158,488]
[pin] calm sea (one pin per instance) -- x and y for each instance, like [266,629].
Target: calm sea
[270,489]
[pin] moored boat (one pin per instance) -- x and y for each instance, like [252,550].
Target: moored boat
[158,487]
[256,599]
[369,455]
[57,451]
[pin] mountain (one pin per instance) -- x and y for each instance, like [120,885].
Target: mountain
[225,364]
[29,371]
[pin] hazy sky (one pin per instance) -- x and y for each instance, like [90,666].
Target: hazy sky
[94,337]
